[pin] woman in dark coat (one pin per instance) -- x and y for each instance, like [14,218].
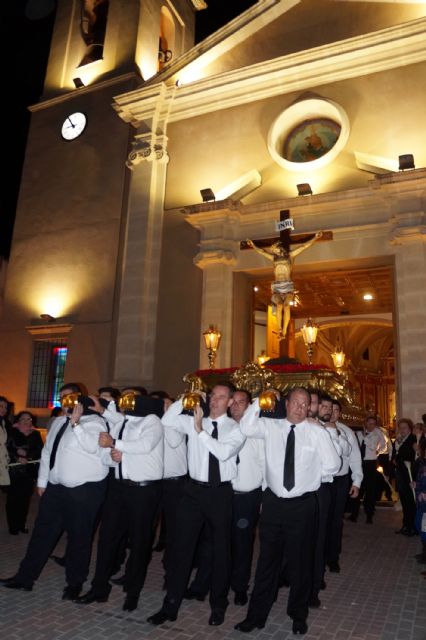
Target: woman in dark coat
[403,456]
[24,445]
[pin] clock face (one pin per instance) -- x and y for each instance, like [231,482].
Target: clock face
[73,125]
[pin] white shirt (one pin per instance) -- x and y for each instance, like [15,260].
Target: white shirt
[141,444]
[225,448]
[314,454]
[175,454]
[78,457]
[250,470]
[375,443]
[112,416]
[352,460]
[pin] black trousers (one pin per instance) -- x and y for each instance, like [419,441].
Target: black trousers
[339,490]
[73,510]
[245,516]
[172,495]
[286,525]
[128,509]
[323,496]
[18,500]
[201,505]
[369,488]
[406,497]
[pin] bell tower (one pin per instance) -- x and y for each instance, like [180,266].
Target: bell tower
[95,40]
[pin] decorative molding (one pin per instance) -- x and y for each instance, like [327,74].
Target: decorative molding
[209,258]
[47,330]
[390,48]
[148,147]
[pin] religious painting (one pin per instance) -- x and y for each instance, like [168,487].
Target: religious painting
[311,139]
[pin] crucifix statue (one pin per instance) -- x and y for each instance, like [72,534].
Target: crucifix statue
[282,288]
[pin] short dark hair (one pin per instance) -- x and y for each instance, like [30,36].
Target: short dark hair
[231,388]
[325,397]
[338,404]
[74,386]
[313,391]
[424,418]
[371,416]
[163,395]
[3,399]
[247,393]
[113,391]
[141,390]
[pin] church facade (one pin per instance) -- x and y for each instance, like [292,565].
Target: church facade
[116,249]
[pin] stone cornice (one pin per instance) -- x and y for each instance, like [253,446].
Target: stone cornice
[382,50]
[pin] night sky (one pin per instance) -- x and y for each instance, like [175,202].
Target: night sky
[26,32]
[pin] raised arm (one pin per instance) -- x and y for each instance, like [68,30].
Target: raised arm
[262,252]
[306,245]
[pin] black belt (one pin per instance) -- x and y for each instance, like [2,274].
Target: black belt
[132,483]
[207,484]
[176,477]
[244,493]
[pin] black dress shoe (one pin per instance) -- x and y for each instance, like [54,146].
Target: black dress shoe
[160,617]
[334,567]
[14,583]
[14,532]
[323,586]
[403,530]
[71,592]
[299,627]
[24,530]
[217,617]
[60,560]
[194,595]
[352,518]
[240,598]
[247,625]
[120,580]
[92,596]
[314,602]
[130,603]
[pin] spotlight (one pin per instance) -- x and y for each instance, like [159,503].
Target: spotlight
[304,189]
[406,161]
[368,296]
[47,317]
[78,83]
[207,195]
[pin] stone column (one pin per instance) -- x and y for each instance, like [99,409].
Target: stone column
[137,315]
[409,240]
[217,301]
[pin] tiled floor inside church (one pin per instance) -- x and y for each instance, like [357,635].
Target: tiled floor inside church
[380,594]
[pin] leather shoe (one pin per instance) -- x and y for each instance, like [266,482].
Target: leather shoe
[92,596]
[14,583]
[120,580]
[193,595]
[130,603]
[60,560]
[247,625]
[299,627]
[24,530]
[403,530]
[160,617]
[314,602]
[71,592]
[352,518]
[334,567]
[217,617]
[240,598]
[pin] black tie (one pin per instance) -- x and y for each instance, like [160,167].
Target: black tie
[289,460]
[363,447]
[56,443]
[120,435]
[214,470]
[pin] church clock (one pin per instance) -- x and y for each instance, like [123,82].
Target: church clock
[73,125]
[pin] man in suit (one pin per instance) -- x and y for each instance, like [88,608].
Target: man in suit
[213,445]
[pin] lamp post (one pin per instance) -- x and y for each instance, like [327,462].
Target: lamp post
[309,333]
[212,340]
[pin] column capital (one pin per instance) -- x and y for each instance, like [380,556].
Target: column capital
[148,147]
[212,257]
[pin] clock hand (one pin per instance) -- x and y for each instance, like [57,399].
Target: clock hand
[73,125]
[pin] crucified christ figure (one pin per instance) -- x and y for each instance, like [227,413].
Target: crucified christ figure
[282,288]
